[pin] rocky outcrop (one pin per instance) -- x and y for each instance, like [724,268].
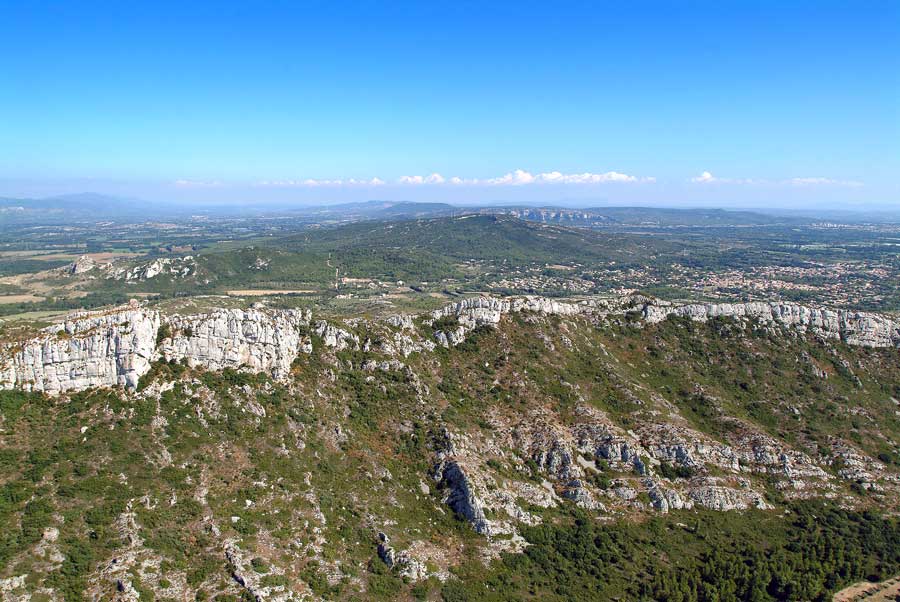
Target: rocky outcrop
[111,348]
[117,347]
[852,327]
[763,454]
[461,498]
[487,311]
[250,578]
[852,465]
[550,446]
[402,337]
[718,497]
[666,499]
[335,337]
[176,267]
[681,446]
[577,491]
[619,451]
[81,265]
[259,340]
[403,562]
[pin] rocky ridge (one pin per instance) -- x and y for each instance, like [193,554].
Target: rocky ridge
[116,347]
[852,327]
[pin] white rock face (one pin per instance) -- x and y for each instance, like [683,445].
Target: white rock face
[81,265]
[717,497]
[681,446]
[335,337]
[487,311]
[87,350]
[852,327]
[116,348]
[177,267]
[259,340]
[666,499]
[404,562]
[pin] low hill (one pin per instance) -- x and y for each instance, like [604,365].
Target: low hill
[496,238]
[431,250]
[612,217]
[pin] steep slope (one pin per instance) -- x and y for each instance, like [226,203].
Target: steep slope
[273,455]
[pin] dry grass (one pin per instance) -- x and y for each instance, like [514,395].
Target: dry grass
[19,298]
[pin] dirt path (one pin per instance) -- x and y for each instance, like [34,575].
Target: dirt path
[268,291]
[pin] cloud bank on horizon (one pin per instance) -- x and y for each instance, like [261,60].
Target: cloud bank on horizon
[707,178]
[518,177]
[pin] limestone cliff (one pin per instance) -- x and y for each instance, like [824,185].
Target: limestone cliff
[255,339]
[852,327]
[94,349]
[116,347]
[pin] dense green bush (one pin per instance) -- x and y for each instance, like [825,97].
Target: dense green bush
[720,556]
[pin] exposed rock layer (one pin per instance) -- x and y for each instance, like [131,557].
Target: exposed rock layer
[117,347]
[261,341]
[87,350]
[852,327]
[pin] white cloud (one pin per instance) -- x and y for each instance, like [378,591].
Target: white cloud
[822,182]
[520,177]
[183,183]
[513,178]
[586,178]
[434,178]
[705,178]
[369,182]
[314,183]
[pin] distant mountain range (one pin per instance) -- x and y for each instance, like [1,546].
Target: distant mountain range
[90,206]
[87,205]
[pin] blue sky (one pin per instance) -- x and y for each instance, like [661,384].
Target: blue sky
[680,102]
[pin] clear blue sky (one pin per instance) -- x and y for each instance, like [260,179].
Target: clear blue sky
[780,103]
